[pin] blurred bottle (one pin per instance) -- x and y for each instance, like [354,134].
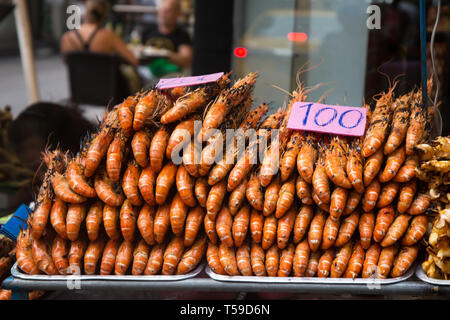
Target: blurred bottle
[119,30]
[135,37]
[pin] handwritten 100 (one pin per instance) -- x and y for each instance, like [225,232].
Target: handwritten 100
[332,118]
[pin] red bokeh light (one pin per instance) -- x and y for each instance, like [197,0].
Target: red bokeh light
[297,36]
[240,52]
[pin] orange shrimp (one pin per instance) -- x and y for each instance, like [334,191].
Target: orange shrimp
[366,226]
[335,162]
[224,223]
[353,200]
[341,260]
[399,125]
[241,169]
[109,256]
[330,232]
[372,166]
[201,190]
[114,157]
[145,224]
[371,196]
[77,182]
[97,150]
[63,191]
[256,225]
[289,158]
[215,198]
[269,231]
[385,216]
[227,258]
[126,113]
[178,213]
[123,257]
[306,158]
[76,253]
[161,222]
[209,153]
[109,192]
[387,194]
[164,182]
[240,225]
[393,163]
[284,229]
[237,197]
[192,101]
[140,258]
[356,261]
[316,230]
[322,205]
[194,221]
[41,253]
[254,193]
[185,186]
[212,256]
[243,259]
[146,185]
[58,215]
[158,148]
[420,204]
[272,260]
[301,258]
[417,122]
[325,261]
[76,214]
[408,171]
[6,294]
[347,229]
[257,257]
[286,261]
[94,219]
[111,221]
[354,168]
[379,122]
[371,260]
[396,230]
[24,255]
[140,145]
[338,202]
[210,228]
[285,197]
[404,260]
[130,182]
[416,230]
[320,183]
[302,222]
[180,136]
[155,260]
[303,190]
[144,108]
[192,257]
[191,158]
[406,196]
[128,216]
[224,103]
[385,262]
[93,254]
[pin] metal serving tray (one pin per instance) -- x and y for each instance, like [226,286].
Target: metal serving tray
[420,273]
[17,273]
[255,279]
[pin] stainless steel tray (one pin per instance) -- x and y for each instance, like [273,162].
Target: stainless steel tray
[309,280]
[17,273]
[423,276]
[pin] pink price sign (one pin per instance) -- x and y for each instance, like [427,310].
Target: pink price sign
[187,81]
[310,116]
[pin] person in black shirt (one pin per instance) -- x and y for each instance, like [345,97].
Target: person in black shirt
[167,34]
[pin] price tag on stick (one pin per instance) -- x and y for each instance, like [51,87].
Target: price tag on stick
[187,81]
[341,120]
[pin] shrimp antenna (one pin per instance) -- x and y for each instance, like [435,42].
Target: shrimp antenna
[324,95]
[282,90]
[303,69]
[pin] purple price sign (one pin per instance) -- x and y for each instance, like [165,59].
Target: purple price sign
[310,116]
[188,81]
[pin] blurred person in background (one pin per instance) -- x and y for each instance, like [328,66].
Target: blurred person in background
[169,35]
[92,36]
[45,125]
